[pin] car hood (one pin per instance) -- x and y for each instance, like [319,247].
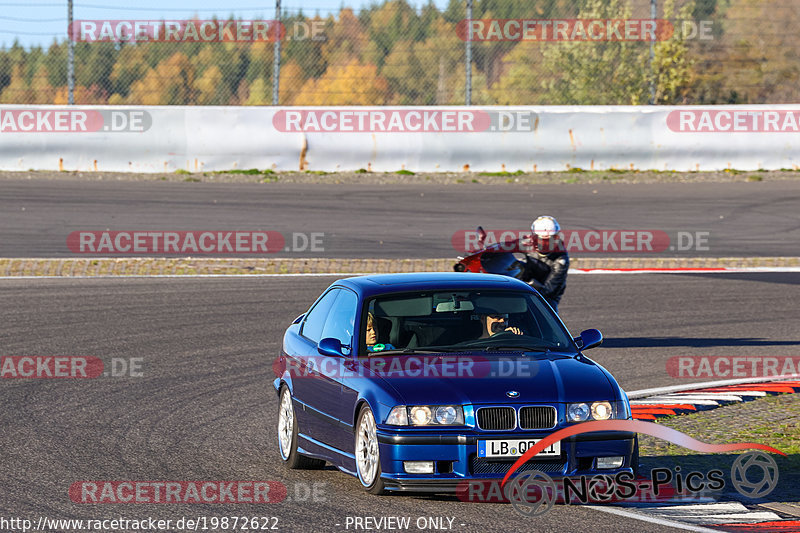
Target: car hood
[538,378]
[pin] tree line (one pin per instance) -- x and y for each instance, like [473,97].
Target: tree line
[392,53]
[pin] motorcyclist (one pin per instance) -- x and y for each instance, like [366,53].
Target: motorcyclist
[547,262]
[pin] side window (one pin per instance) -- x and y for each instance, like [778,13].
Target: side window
[315,319]
[341,319]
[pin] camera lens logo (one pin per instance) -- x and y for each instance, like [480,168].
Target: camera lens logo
[532,493]
[601,488]
[765,482]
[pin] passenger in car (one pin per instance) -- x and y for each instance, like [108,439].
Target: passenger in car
[372,336]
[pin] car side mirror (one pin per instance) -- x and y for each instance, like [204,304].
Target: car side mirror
[590,338]
[330,346]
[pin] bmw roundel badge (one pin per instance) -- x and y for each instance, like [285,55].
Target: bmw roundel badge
[512,394]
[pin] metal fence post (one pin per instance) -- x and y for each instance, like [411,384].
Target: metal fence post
[653,13]
[276,56]
[468,66]
[70,57]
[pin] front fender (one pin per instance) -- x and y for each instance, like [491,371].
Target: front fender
[282,374]
[380,401]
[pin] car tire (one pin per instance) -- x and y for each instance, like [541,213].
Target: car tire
[287,435]
[368,459]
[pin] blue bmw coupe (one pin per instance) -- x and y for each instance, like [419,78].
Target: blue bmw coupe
[424,381]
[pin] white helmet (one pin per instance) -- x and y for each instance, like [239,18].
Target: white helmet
[545,227]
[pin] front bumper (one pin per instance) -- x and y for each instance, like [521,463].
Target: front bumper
[455,457]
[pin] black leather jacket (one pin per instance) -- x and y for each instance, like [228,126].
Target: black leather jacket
[550,270]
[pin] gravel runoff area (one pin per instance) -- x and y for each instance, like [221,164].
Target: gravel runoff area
[774,421]
[155,266]
[362,176]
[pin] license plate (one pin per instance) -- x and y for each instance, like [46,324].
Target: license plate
[515,448]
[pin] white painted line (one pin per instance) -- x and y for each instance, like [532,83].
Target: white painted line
[657,405]
[665,401]
[716,507]
[710,270]
[572,271]
[651,519]
[744,518]
[715,397]
[713,513]
[748,518]
[709,395]
[651,400]
[763,269]
[179,276]
[675,500]
[708,384]
[738,393]
[612,271]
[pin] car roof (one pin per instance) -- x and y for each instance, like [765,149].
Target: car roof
[388,283]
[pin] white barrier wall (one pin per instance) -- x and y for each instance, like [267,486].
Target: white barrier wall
[166,138]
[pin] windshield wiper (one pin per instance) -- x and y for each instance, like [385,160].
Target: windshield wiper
[404,351]
[517,348]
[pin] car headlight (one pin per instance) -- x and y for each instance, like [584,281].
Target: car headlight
[420,415]
[445,415]
[426,415]
[398,416]
[602,410]
[577,412]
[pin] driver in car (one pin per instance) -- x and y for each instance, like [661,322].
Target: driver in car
[494,323]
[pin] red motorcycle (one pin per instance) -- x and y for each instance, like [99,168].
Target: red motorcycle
[497,258]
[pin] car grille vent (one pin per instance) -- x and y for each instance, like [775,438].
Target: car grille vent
[537,417]
[496,418]
[483,466]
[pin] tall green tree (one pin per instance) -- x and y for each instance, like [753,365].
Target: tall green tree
[672,69]
[616,72]
[595,72]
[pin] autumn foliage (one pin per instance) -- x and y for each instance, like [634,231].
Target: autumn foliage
[392,53]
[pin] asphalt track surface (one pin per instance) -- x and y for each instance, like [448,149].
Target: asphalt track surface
[400,221]
[205,408]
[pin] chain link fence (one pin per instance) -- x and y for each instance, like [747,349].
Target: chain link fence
[523,52]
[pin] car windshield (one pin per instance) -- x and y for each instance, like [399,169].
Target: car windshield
[485,320]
